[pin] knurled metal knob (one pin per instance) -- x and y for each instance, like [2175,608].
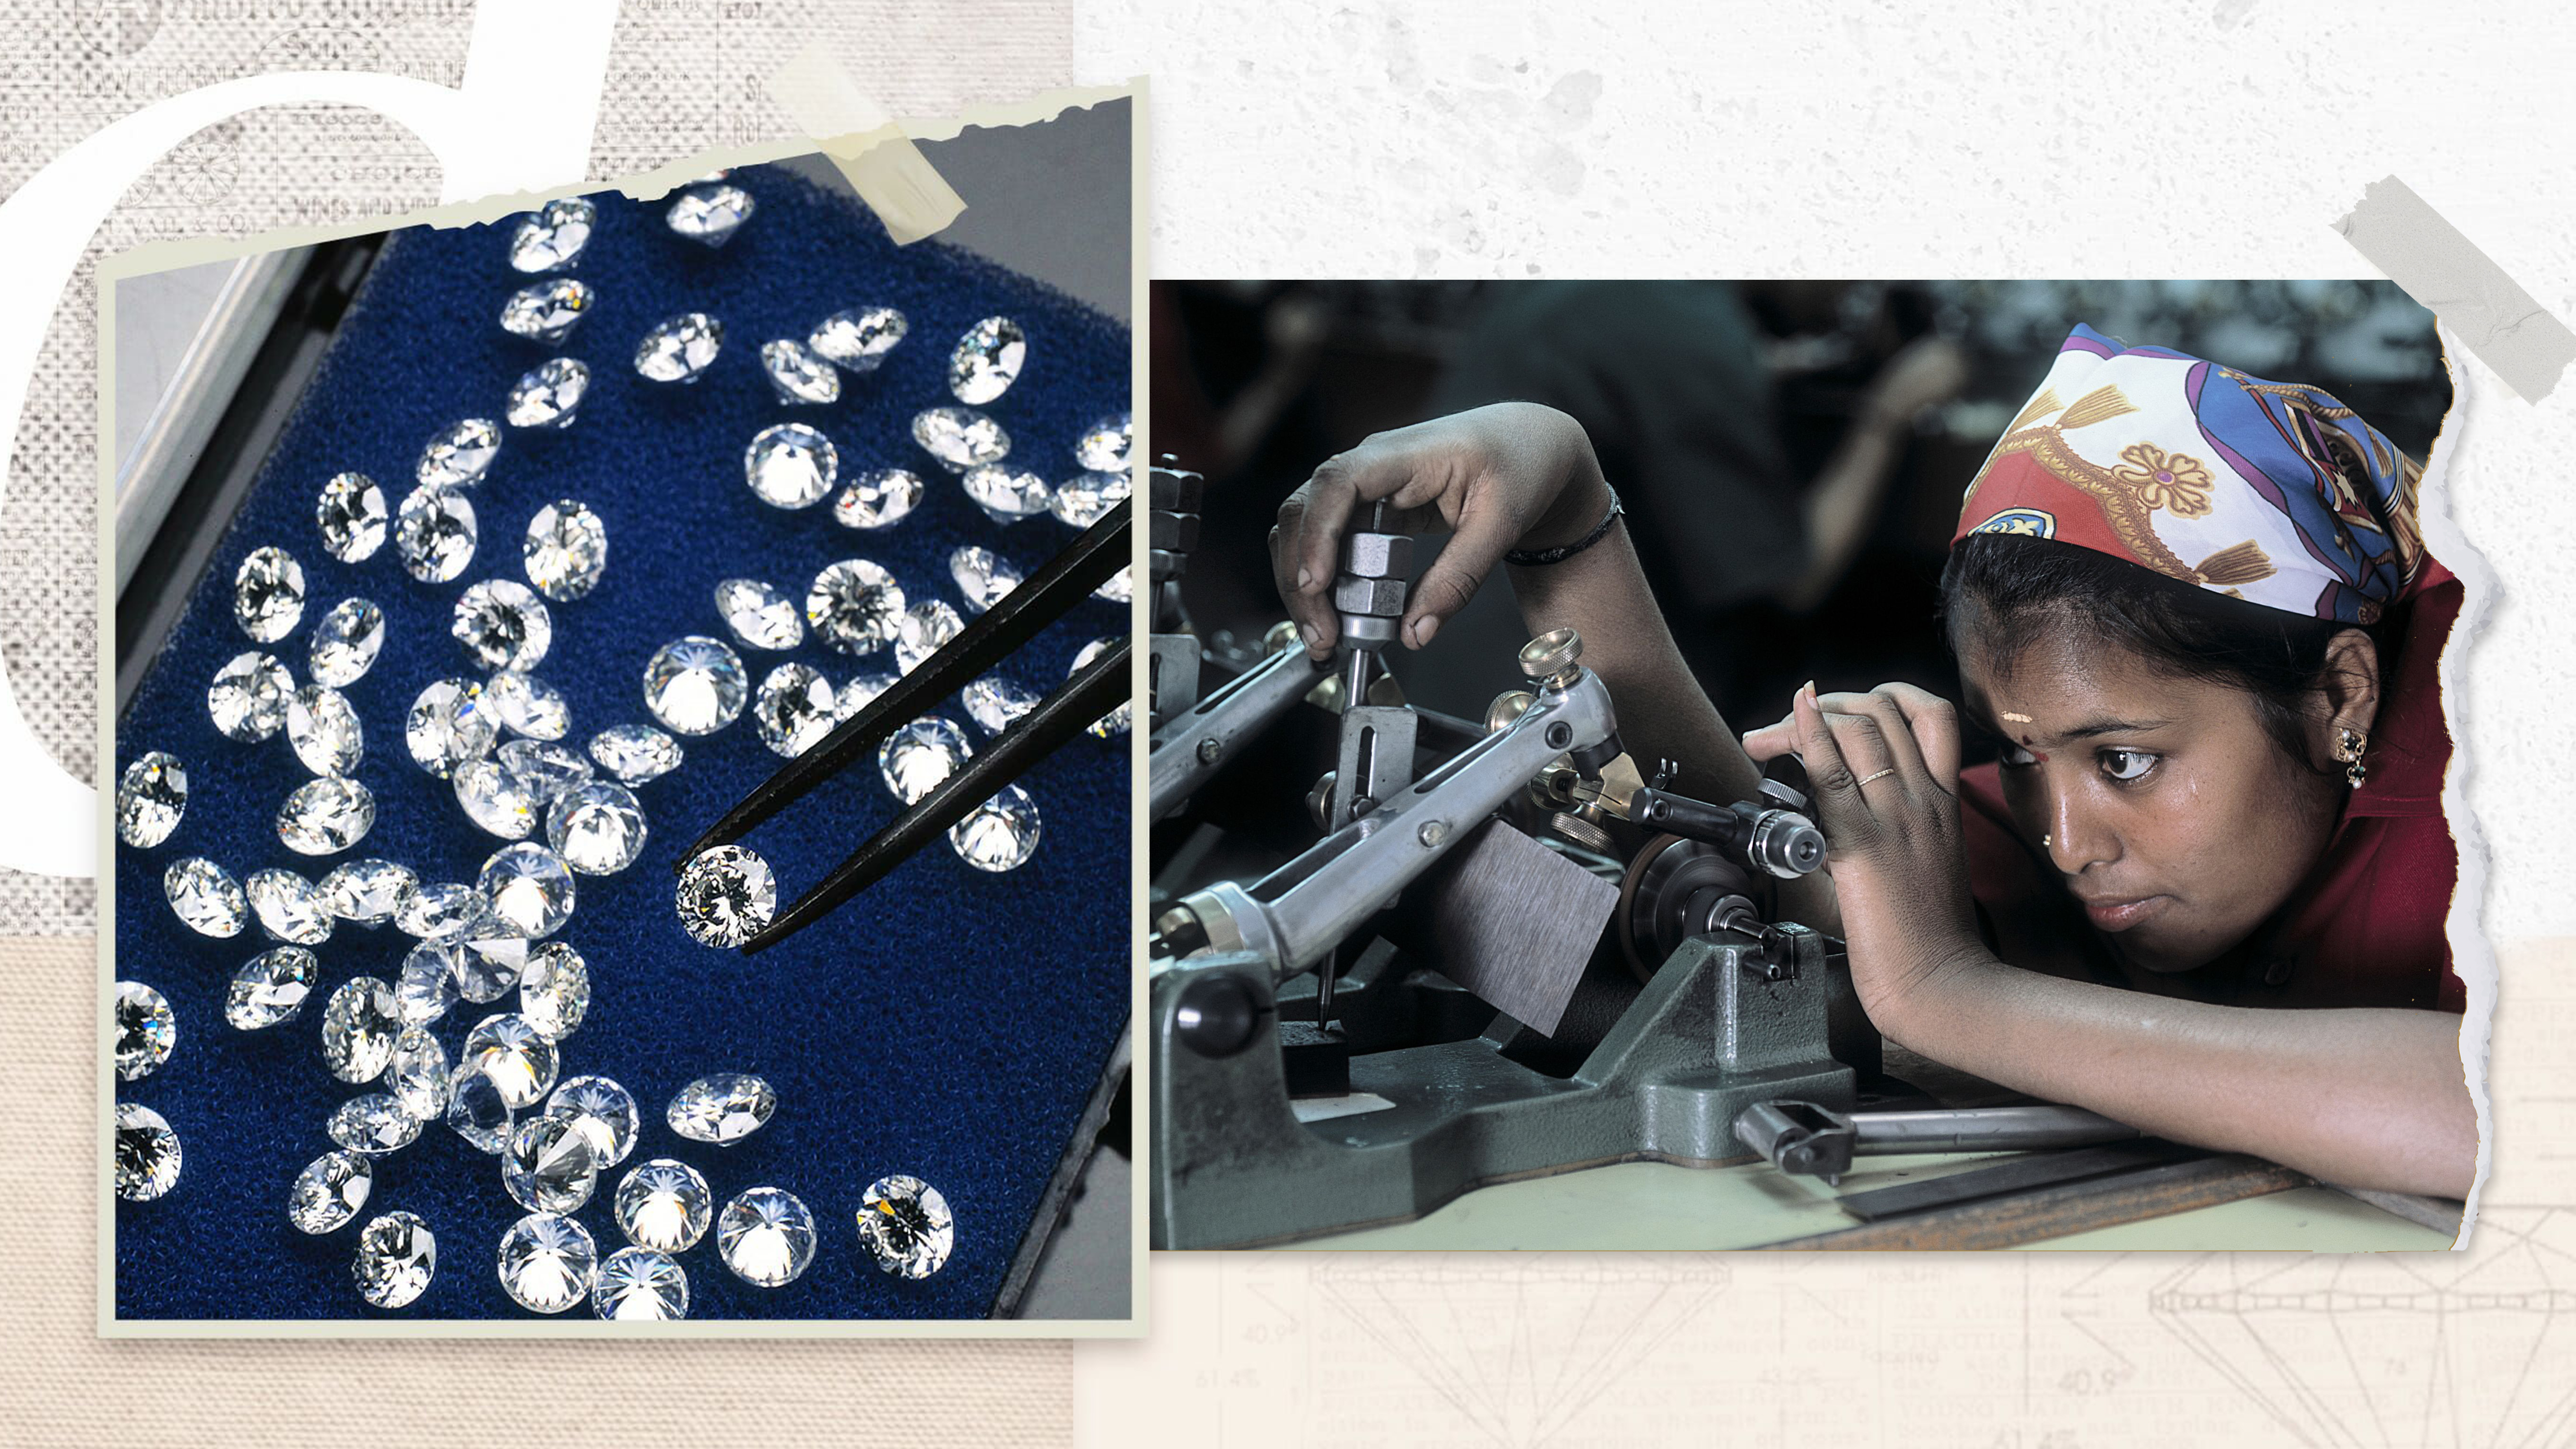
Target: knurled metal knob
[1551,657]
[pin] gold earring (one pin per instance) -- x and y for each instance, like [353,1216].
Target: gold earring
[2348,747]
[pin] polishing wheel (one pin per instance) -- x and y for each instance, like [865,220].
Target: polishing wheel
[1667,897]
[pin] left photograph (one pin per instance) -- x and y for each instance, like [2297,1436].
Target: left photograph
[621,776]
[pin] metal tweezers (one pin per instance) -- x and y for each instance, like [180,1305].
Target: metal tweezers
[1092,692]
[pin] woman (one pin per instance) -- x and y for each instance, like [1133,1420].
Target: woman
[2202,891]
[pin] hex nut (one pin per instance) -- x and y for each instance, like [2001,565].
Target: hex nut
[1377,555]
[1381,597]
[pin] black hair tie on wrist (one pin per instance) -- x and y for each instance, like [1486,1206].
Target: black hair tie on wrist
[1530,558]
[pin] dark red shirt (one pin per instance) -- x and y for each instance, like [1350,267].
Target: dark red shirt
[2365,927]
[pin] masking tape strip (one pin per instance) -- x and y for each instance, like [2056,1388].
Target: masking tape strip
[883,166]
[2437,266]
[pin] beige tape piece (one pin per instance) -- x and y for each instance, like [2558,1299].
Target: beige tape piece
[2437,266]
[883,165]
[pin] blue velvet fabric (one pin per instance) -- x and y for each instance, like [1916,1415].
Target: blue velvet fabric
[948,1024]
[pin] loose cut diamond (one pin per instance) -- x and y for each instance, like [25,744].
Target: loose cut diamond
[982,578]
[359,1026]
[496,799]
[434,533]
[710,213]
[147,1153]
[268,594]
[1120,587]
[150,797]
[993,702]
[248,698]
[790,465]
[696,685]
[639,1285]
[489,961]
[449,724]
[664,1205]
[546,1261]
[440,911]
[925,627]
[461,455]
[987,360]
[547,770]
[960,438]
[905,1225]
[270,987]
[858,340]
[547,311]
[346,642]
[726,895]
[597,827]
[552,237]
[324,730]
[766,1236]
[503,624]
[427,986]
[205,897]
[554,995]
[517,1057]
[1000,834]
[289,908]
[1085,498]
[1103,446]
[548,395]
[1116,721]
[352,517]
[477,1111]
[1004,495]
[374,1125]
[723,1108]
[530,888]
[856,694]
[418,1074]
[799,374]
[604,1111]
[855,606]
[679,349]
[367,892]
[566,550]
[397,1256]
[917,757]
[145,1030]
[329,1192]
[548,1165]
[527,706]
[635,753]
[793,709]
[877,497]
[760,614]
[326,816]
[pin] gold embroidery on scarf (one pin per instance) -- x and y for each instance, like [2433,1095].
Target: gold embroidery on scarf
[2175,482]
[2120,506]
[2034,410]
[2100,405]
[2243,563]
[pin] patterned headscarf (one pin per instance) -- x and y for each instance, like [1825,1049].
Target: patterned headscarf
[2268,491]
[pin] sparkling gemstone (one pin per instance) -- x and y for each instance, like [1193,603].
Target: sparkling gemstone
[793,709]
[987,360]
[554,995]
[326,816]
[710,213]
[858,339]
[680,348]
[760,614]
[992,702]
[982,578]
[604,1111]
[548,395]
[1006,496]
[566,551]
[1000,834]
[374,1125]
[503,624]
[427,986]
[352,517]
[546,1262]
[489,960]
[548,1165]
[147,1153]
[477,1111]
[960,438]
[723,1108]
[359,1026]
[324,730]
[434,533]
[289,908]
[799,374]
[547,311]
[925,627]
[695,685]
[440,911]
[449,724]
[726,894]
[790,465]
[1115,722]
[553,236]
[270,988]
[268,594]
[461,455]
[766,1236]
[517,1057]
[527,706]
[915,758]
[530,888]
[329,1192]
[638,1285]
[248,697]
[1103,446]
[1120,587]
[877,497]
[547,770]
[635,753]
[418,1074]
[205,897]
[905,1225]
[664,1205]
[367,892]
[597,827]
[145,1030]
[496,799]
[1082,500]
[150,797]
[346,642]
[397,1255]
[859,691]
[855,606]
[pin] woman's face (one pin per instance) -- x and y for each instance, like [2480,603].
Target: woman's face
[2172,816]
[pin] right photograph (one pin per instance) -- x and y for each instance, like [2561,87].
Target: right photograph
[1874,764]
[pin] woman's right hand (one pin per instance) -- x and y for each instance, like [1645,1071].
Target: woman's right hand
[1512,475]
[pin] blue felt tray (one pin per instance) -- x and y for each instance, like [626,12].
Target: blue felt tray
[949,1024]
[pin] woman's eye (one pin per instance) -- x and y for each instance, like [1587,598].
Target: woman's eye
[2127,764]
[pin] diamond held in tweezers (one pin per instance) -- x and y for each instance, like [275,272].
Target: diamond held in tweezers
[146,1030]
[858,339]
[1000,834]
[151,795]
[799,375]
[546,311]
[790,465]
[960,438]
[351,515]
[248,697]
[566,550]
[710,213]
[346,642]
[326,816]
[553,236]
[434,533]
[986,361]
[679,349]
[268,594]
[876,498]
[548,395]
[726,895]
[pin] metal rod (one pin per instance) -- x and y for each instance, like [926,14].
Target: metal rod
[1982,1129]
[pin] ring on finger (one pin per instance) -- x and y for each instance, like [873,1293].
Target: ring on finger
[1890,770]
